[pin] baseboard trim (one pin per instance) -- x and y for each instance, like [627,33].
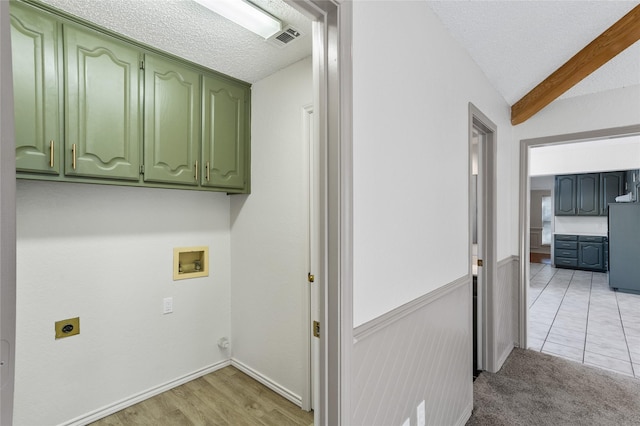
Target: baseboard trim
[383,321]
[139,397]
[503,356]
[466,415]
[280,390]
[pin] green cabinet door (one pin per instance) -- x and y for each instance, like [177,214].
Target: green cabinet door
[103,119]
[224,133]
[172,122]
[34,43]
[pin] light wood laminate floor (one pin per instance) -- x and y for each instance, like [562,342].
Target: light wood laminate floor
[224,397]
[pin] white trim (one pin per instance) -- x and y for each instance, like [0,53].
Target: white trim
[375,325]
[307,314]
[466,415]
[333,99]
[139,397]
[487,275]
[7,223]
[280,390]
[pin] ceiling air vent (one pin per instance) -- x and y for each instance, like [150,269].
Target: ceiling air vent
[285,37]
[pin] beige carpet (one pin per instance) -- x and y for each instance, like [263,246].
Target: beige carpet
[537,389]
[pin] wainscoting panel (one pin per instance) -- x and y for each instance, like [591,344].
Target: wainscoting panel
[535,238]
[506,309]
[418,352]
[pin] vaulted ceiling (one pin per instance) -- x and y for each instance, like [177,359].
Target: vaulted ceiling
[519,43]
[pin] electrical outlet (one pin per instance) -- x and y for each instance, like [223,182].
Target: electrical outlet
[68,327]
[167,306]
[421,414]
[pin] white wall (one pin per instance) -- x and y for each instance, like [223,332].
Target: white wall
[411,157]
[613,108]
[584,157]
[105,254]
[542,182]
[581,225]
[269,233]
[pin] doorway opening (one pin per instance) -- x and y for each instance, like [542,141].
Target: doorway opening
[570,281]
[482,227]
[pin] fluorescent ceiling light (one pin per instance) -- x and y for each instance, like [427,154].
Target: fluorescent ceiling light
[245,14]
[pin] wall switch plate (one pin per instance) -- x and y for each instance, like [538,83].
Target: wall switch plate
[68,327]
[167,305]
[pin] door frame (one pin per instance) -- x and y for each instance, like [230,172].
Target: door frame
[525,205]
[333,92]
[487,153]
[333,101]
[314,246]
[7,223]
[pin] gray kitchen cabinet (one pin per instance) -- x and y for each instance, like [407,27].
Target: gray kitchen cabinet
[565,251]
[591,254]
[611,185]
[588,194]
[632,183]
[565,195]
[580,252]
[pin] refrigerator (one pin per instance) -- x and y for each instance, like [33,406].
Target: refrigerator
[624,247]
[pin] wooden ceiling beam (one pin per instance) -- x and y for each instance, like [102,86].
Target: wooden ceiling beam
[614,40]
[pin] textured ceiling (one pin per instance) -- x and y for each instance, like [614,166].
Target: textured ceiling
[186,29]
[519,43]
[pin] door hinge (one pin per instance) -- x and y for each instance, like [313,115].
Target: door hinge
[142,169]
[310,277]
[480,262]
[141,65]
[316,329]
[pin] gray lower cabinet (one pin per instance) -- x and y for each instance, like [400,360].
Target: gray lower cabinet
[580,252]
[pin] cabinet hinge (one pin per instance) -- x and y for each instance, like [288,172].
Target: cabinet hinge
[142,169]
[141,65]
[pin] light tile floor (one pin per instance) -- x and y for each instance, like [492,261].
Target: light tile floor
[574,314]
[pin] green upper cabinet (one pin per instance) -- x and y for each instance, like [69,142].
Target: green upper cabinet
[36,84]
[172,122]
[103,119]
[224,133]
